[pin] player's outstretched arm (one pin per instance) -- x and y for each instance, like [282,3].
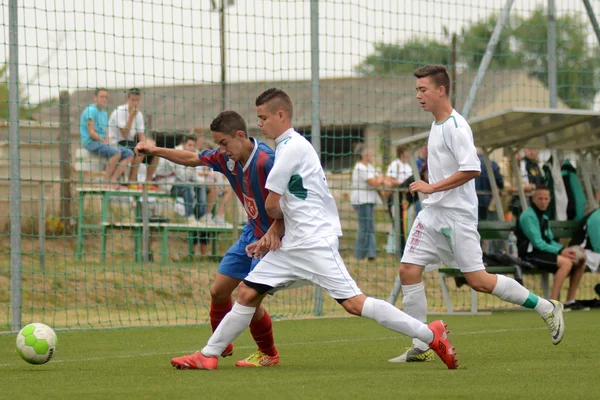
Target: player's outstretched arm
[182,157]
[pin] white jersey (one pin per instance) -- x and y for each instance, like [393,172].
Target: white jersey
[362,192]
[118,120]
[451,149]
[399,170]
[309,209]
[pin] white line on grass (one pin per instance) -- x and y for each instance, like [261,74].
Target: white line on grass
[484,332]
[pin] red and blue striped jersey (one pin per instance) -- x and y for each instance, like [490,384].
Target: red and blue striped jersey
[248,181]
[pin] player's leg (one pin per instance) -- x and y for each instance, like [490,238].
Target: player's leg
[235,266]
[234,323]
[467,255]
[324,266]
[220,303]
[271,272]
[392,318]
[419,251]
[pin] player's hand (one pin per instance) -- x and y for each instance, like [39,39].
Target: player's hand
[257,249]
[144,148]
[420,187]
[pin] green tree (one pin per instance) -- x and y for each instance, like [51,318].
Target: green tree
[25,109]
[475,38]
[576,61]
[523,45]
[396,59]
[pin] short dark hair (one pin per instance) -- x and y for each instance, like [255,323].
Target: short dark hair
[133,91]
[279,100]
[542,187]
[437,73]
[187,138]
[100,89]
[229,122]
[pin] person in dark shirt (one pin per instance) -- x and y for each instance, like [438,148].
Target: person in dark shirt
[536,245]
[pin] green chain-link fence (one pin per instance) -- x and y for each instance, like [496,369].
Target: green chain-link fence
[92,254]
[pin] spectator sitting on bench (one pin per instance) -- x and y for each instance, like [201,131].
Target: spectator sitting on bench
[125,127]
[92,130]
[588,237]
[176,179]
[536,245]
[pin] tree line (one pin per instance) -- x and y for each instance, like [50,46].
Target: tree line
[522,46]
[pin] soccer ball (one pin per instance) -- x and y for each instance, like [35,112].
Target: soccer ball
[579,254]
[36,343]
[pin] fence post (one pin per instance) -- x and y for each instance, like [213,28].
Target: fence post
[315,131]
[15,166]
[65,163]
[42,228]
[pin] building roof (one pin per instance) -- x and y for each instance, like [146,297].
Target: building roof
[344,101]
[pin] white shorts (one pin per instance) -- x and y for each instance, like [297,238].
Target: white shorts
[317,261]
[434,237]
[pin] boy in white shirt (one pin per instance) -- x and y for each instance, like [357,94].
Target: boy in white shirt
[126,128]
[446,229]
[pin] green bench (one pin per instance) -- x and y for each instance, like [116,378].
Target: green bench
[490,230]
[164,229]
[136,226]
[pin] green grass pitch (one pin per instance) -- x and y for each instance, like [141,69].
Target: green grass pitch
[507,355]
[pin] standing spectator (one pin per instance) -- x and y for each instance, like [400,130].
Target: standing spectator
[397,173]
[536,245]
[92,130]
[126,127]
[575,193]
[530,169]
[487,208]
[364,198]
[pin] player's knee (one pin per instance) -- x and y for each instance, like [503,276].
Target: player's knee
[218,296]
[248,296]
[410,274]
[354,305]
[481,281]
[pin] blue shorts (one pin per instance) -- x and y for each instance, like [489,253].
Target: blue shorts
[107,151]
[236,263]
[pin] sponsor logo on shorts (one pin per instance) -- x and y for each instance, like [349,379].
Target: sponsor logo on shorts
[250,206]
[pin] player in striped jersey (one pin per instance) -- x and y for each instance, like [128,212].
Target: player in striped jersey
[246,163]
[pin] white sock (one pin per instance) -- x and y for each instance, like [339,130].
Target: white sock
[510,290]
[414,301]
[230,327]
[392,318]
